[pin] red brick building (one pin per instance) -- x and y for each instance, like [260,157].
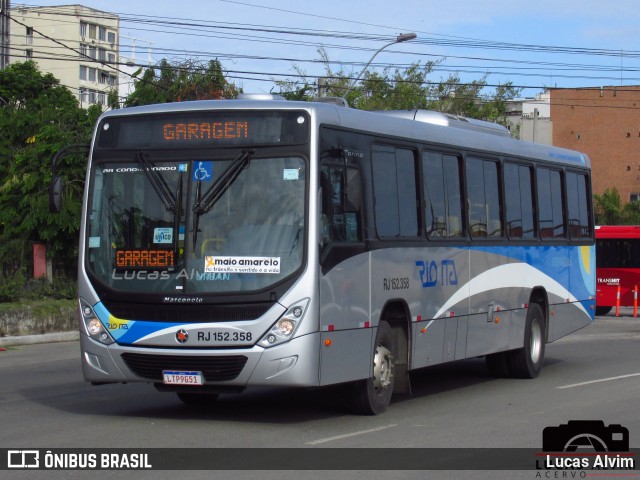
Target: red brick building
[604,123]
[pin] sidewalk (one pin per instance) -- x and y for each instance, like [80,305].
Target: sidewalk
[39,338]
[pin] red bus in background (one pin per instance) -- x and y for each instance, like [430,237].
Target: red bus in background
[617,265]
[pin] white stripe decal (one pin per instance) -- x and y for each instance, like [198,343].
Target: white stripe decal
[511,275]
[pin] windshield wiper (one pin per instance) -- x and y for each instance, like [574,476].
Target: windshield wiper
[204,203]
[211,196]
[158,183]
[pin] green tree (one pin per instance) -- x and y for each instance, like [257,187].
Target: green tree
[608,208]
[180,81]
[37,118]
[409,88]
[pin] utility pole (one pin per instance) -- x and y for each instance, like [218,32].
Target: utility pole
[5,39]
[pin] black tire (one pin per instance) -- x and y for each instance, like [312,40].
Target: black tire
[373,395]
[602,310]
[526,362]
[197,399]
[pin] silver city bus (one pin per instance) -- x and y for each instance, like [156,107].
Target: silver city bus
[227,244]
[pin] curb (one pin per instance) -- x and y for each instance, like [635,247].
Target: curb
[43,338]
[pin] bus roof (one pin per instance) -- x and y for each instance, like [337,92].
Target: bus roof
[617,231]
[433,127]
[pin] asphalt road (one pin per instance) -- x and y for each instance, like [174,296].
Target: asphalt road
[592,374]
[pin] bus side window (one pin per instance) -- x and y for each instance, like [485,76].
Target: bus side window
[484,198]
[341,204]
[443,211]
[550,204]
[519,201]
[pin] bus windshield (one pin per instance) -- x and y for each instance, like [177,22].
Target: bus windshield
[200,225]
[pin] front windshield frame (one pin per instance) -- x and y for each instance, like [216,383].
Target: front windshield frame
[185,276]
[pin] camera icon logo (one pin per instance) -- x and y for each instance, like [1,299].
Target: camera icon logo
[23,459]
[585,436]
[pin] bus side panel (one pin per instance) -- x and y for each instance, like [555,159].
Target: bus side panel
[345,322]
[486,335]
[576,309]
[342,355]
[427,343]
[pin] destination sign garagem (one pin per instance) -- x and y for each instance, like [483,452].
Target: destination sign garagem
[204,129]
[145,258]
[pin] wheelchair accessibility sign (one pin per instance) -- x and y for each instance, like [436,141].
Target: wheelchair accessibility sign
[203,170]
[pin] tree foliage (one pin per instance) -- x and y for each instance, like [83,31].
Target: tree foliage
[180,81]
[408,88]
[609,210]
[38,117]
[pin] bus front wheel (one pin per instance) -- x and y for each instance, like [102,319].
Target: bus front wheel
[373,395]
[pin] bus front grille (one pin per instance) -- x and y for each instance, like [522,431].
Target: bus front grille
[213,368]
[204,313]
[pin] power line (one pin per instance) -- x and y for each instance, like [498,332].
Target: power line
[190,25]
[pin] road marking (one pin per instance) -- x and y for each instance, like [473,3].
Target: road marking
[347,435]
[599,381]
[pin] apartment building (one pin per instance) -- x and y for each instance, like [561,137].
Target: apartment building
[77,44]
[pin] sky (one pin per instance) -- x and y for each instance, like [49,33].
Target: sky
[533,45]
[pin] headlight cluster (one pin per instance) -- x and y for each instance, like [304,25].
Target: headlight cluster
[93,326]
[282,331]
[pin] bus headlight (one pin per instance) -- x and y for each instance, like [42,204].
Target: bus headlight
[93,326]
[283,330]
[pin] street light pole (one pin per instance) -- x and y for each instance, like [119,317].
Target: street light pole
[403,37]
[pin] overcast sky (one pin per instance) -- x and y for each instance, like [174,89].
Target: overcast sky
[563,43]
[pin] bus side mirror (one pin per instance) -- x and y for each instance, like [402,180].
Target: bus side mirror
[55,194]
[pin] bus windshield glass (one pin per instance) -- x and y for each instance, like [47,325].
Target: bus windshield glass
[232,223]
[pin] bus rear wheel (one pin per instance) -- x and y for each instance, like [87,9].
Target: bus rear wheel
[602,310]
[526,362]
[373,395]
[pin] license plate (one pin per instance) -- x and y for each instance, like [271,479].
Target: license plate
[171,377]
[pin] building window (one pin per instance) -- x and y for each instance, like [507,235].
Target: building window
[102,33]
[92,31]
[102,54]
[28,53]
[84,50]
[92,52]
[92,74]
[634,197]
[111,57]
[83,72]
[83,29]
[29,36]
[111,36]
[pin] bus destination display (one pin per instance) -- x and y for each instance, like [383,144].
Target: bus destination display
[204,129]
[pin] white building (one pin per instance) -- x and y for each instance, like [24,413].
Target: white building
[530,118]
[77,44]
